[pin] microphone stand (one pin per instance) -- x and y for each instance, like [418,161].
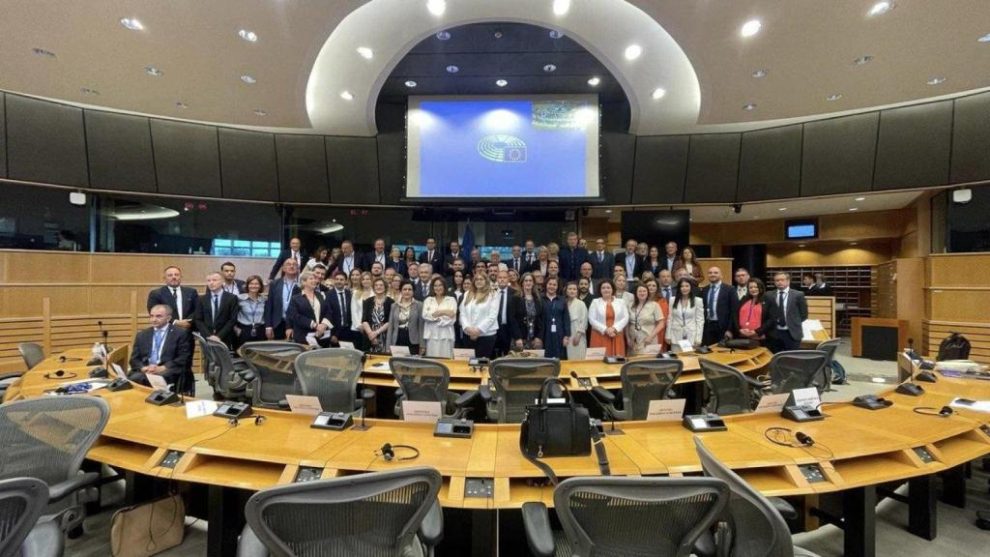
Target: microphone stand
[605,411]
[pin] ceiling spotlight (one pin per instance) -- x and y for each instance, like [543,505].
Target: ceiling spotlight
[750,28]
[249,36]
[181,105]
[561,7]
[153,71]
[658,93]
[346,95]
[833,97]
[443,36]
[453,69]
[436,7]
[366,52]
[88,91]
[860,199]
[863,60]
[555,34]
[633,52]
[782,209]
[410,83]
[856,244]
[881,8]
[984,38]
[132,24]
[550,68]
[594,81]
[249,79]
[937,80]
[43,52]
[854,208]
[501,83]
[260,112]
[749,106]
[760,73]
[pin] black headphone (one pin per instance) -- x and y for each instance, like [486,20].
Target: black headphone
[803,439]
[258,420]
[60,374]
[388,452]
[943,412]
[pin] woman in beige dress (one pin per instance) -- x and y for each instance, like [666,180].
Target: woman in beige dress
[645,323]
[578,311]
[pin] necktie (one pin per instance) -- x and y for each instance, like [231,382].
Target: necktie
[178,302]
[429,256]
[712,292]
[601,257]
[340,296]
[216,306]
[502,308]
[780,304]
[156,347]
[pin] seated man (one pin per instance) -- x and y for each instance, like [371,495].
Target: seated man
[162,349]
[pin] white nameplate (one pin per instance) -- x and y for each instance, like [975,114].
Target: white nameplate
[463,353]
[199,408]
[157,381]
[301,404]
[671,410]
[347,345]
[421,411]
[772,404]
[806,397]
[398,350]
[596,353]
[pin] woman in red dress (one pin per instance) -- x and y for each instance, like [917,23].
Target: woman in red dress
[608,317]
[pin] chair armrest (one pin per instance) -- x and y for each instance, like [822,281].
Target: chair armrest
[249,544]
[603,394]
[786,510]
[539,536]
[247,375]
[60,490]
[754,383]
[431,530]
[466,398]
[704,546]
[486,393]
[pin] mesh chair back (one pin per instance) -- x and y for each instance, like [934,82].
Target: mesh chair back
[796,369]
[223,365]
[22,500]
[32,353]
[637,516]
[208,366]
[828,347]
[421,380]
[331,375]
[756,529]
[646,380]
[273,364]
[517,383]
[729,391]
[375,514]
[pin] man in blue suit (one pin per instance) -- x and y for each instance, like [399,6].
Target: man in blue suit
[720,301]
[162,349]
[602,261]
[571,257]
[279,294]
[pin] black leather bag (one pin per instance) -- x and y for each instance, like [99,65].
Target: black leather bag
[556,429]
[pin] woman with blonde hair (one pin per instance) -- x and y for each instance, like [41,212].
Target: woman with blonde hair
[359,294]
[479,317]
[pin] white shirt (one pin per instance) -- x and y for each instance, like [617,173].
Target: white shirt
[177,292]
[630,266]
[347,265]
[596,315]
[438,327]
[481,315]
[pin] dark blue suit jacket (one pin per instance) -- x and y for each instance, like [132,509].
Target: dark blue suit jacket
[175,353]
[570,262]
[273,305]
[333,302]
[725,305]
[300,316]
[603,269]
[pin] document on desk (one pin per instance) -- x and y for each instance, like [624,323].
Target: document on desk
[421,411]
[596,353]
[808,328]
[312,339]
[347,345]
[301,404]
[200,408]
[669,410]
[968,404]
[157,382]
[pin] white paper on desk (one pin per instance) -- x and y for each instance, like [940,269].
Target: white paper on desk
[157,381]
[596,353]
[119,371]
[347,345]
[537,353]
[772,404]
[200,408]
[809,327]
[463,353]
[301,404]
[651,349]
[977,405]
[311,338]
[421,411]
[685,346]
[670,410]
[806,397]
[398,350]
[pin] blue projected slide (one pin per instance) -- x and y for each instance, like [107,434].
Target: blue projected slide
[503,148]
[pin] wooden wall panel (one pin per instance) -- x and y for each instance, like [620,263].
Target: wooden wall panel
[959,305]
[959,270]
[978,335]
[822,308]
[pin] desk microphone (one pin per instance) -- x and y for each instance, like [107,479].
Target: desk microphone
[586,384]
[105,334]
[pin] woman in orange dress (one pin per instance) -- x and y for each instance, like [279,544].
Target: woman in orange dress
[608,317]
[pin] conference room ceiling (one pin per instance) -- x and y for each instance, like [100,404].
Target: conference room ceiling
[304,72]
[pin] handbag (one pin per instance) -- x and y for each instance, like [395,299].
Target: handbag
[558,429]
[148,528]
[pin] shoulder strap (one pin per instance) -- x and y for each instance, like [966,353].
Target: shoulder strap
[543,466]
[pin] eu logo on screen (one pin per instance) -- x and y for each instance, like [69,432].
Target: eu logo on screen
[502,148]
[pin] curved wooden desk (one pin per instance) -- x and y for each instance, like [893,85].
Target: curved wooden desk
[855,448]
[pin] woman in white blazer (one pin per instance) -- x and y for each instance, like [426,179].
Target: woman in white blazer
[687,316]
[479,317]
[439,315]
[578,312]
[608,316]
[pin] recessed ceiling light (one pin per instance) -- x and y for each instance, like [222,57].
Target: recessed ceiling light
[860,199]
[555,34]
[833,97]
[43,52]
[249,79]
[608,211]
[132,24]
[260,112]
[550,68]
[750,28]
[561,7]
[181,105]
[248,35]
[863,60]
[501,82]
[853,243]
[658,93]
[984,38]
[782,209]
[346,95]
[760,73]
[88,91]
[594,81]
[633,52]
[410,83]
[443,36]
[453,69]
[937,80]
[749,107]
[366,52]
[153,71]
[802,245]
[881,8]
[854,208]
[436,7]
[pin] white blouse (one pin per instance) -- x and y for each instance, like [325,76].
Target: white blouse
[686,322]
[357,308]
[482,315]
[596,315]
[579,317]
[442,327]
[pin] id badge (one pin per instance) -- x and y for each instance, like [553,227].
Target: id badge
[254,331]
[553,326]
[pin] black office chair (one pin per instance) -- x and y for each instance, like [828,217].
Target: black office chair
[47,438]
[22,500]
[207,366]
[331,375]
[232,379]
[32,353]
[374,514]
[796,369]
[824,383]
[642,381]
[625,516]
[427,381]
[729,390]
[516,384]
[273,364]
[756,526]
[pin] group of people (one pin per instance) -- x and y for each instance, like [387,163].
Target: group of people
[560,300]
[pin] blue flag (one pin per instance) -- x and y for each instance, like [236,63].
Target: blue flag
[467,243]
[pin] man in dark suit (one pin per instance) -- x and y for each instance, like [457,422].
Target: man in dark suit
[231,283]
[788,309]
[377,255]
[432,255]
[506,301]
[339,300]
[571,257]
[182,300]
[742,283]
[421,286]
[162,349]
[217,310]
[349,259]
[632,263]
[720,302]
[280,291]
[601,260]
[294,252]
[529,256]
[587,272]
[448,258]
[516,262]
[670,256]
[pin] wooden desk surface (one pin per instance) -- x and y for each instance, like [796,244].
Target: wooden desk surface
[853,447]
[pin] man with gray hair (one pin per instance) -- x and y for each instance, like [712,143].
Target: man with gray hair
[162,349]
[421,288]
